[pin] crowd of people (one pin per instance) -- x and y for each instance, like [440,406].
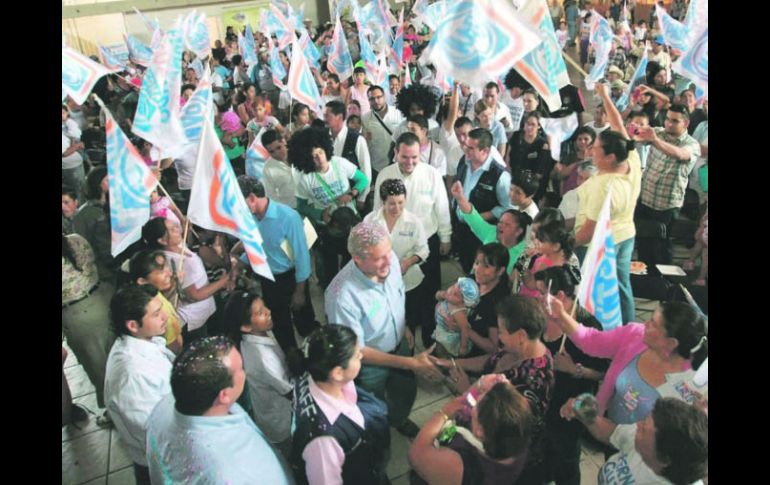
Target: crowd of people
[211,373]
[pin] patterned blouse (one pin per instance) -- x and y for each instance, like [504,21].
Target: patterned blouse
[76,284]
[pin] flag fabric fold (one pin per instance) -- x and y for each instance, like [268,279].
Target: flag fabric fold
[276,66]
[196,34]
[559,130]
[138,53]
[544,67]
[674,32]
[131,183]
[636,79]
[302,85]
[478,41]
[79,74]
[397,48]
[598,292]
[109,60]
[601,40]
[339,61]
[694,63]
[157,117]
[216,202]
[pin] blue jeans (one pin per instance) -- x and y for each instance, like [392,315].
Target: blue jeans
[397,387]
[623,252]
[572,14]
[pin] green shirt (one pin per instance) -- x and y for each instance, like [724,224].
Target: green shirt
[487,233]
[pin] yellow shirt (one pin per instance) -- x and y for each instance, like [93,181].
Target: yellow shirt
[173,325]
[625,192]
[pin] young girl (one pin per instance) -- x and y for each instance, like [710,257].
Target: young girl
[452,317]
[262,120]
[554,245]
[562,34]
[249,324]
[161,206]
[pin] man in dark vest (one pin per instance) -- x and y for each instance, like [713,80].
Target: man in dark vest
[348,144]
[486,184]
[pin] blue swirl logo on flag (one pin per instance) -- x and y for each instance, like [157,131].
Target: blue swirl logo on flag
[196,34]
[110,60]
[601,39]
[194,112]
[79,74]
[598,292]
[694,64]
[544,67]
[367,56]
[276,66]
[480,41]
[636,79]
[131,184]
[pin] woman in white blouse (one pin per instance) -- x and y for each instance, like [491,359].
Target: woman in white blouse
[409,243]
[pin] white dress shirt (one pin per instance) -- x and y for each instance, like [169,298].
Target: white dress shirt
[408,239]
[426,198]
[434,156]
[138,376]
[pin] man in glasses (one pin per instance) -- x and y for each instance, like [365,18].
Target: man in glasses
[379,125]
[672,156]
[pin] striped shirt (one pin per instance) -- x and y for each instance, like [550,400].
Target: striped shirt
[665,178]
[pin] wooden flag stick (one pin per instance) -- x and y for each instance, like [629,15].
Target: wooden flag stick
[184,244]
[575,65]
[177,207]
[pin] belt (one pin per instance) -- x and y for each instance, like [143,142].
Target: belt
[94,288]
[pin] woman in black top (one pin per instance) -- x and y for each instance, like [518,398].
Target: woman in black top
[576,373]
[529,150]
[489,272]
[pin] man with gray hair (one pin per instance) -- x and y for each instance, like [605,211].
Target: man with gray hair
[368,296]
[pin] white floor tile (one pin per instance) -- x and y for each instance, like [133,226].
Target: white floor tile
[85,458]
[70,431]
[78,381]
[118,455]
[122,477]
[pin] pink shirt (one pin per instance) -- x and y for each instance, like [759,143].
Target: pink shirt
[621,345]
[323,456]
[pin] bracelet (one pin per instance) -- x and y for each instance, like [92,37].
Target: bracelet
[443,414]
[579,370]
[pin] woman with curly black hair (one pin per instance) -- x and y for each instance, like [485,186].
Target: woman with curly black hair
[323,186]
[417,100]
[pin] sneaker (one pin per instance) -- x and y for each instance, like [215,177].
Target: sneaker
[408,429]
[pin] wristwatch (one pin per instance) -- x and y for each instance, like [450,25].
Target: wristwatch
[579,370]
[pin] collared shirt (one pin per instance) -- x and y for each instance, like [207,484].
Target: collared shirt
[267,376]
[502,112]
[498,133]
[280,185]
[362,152]
[324,457]
[374,311]
[209,450]
[194,313]
[434,156]
[138,376]
[282,223]
[408,239]
[426,197]
[502,188]
[454,151]
[665,178]
[380,140]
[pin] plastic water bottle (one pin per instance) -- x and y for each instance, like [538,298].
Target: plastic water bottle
[586,407]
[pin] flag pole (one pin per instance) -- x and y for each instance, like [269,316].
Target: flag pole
[184,244]
[577,67]
[174,204]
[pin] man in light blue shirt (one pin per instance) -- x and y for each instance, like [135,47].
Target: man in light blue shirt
[289,295]
[199,434]
[367,295]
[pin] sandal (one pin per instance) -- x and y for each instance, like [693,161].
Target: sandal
[104,420]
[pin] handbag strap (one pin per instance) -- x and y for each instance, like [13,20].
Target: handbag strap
[374,113]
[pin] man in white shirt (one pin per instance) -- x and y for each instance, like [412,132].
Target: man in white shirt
[138,368]
[426,197]
[348,145]
[278,174]
[513,99]
[379,124]
[500,110]
[430,152]
[468,98]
